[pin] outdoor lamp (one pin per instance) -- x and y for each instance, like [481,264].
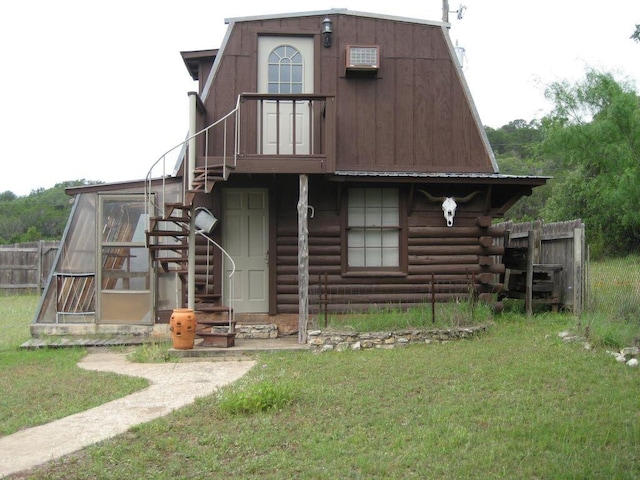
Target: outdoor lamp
[327,31]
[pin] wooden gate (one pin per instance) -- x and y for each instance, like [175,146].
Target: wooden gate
[547,262]
[25,267]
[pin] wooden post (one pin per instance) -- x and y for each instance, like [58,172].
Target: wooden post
[326,301]
[303,259]
[433,298]
[578,269]
[39,267]
[528,301]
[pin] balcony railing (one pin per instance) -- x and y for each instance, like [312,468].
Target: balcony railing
[272,133]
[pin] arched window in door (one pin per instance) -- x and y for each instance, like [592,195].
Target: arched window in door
[285,70]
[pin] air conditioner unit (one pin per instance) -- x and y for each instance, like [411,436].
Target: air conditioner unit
[363,58]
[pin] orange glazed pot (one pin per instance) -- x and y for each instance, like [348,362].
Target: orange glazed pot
[183,328]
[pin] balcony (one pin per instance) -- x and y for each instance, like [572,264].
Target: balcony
[269,133]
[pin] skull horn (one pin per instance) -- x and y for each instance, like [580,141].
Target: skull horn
[431,197]
[468,197]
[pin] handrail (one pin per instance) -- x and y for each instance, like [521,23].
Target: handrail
[233,271]
[228,161]
[163,157]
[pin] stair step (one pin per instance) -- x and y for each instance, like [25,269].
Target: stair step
[204,169]
[166,264]
[172,219]
[169,208]
[203,297]
[167,233]
[178,206]
[211,308]
[216,323]
[201,181]
[163,246]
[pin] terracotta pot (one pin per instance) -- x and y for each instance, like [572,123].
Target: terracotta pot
[183,328]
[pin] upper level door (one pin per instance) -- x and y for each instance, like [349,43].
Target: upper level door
[285,66]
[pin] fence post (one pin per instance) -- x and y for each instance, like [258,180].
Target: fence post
[39,266]
[578,269]
[528,300]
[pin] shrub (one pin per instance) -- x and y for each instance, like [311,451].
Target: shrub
[263,396]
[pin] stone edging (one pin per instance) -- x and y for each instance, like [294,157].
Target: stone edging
[340,341]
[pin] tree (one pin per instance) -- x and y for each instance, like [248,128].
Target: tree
[517,149]
[636,34]
[40,215]
[7,196]
[594,131]
[518,137]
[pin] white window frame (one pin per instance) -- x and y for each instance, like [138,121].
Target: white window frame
[373,229]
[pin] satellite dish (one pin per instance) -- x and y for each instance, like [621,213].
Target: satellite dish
[460,54]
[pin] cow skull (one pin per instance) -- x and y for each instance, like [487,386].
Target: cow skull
[449,204]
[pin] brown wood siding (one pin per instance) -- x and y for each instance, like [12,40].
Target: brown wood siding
[413,115]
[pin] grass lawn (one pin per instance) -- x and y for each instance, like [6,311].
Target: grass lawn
[515,403]
[39,386]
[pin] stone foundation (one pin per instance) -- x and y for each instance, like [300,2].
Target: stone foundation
[261,331]
[252,330]
[320,341]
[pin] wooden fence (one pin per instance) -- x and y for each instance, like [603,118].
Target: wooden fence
[553,247]
[25,267]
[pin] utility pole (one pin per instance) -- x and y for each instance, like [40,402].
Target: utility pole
[445,11]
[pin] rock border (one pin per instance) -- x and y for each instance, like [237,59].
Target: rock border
[326,341]
[628,355]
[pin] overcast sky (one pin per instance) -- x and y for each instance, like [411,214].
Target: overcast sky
[97,89]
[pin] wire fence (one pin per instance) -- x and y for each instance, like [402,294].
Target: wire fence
[614,288]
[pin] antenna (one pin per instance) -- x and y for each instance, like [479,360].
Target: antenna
[445,11]
[460,11]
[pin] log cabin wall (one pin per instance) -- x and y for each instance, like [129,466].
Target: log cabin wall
[453,256]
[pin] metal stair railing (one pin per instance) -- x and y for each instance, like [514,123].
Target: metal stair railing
[160,165]
[231,289]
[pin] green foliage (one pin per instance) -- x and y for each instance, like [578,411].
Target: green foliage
[41,215]
[249,398]
[152,353]
[594,131]
[392,317]
[517,149]
[518,138]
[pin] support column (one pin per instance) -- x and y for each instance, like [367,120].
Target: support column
[191,161]
[189,173]
[303,259]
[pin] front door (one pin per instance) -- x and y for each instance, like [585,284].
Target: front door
[285,66]
[246,238]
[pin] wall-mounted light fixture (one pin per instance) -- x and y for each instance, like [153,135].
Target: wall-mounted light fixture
[327,31]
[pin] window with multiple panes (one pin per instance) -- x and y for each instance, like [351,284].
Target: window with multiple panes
[285,70]
[373,228]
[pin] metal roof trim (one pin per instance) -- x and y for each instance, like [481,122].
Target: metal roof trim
[492,176]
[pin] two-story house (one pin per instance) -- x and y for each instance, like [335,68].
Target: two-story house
[322,149]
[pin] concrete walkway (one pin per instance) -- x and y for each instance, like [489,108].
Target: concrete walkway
[173,385]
